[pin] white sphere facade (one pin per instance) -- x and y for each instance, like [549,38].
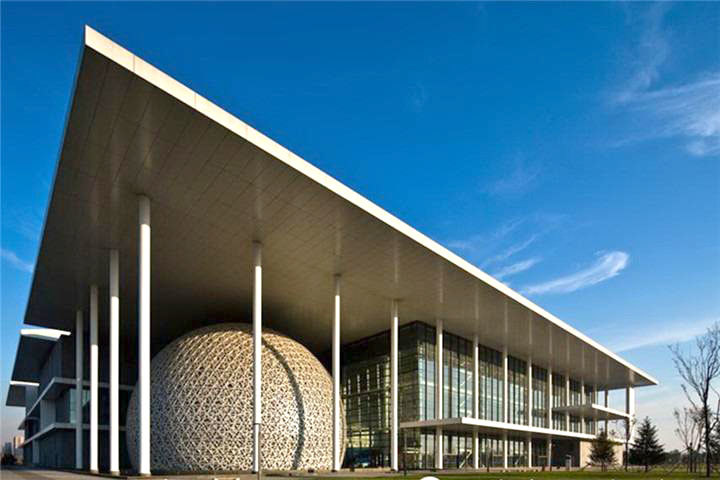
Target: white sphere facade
[201,404]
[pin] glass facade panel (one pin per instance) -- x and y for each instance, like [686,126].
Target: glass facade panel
[539,394]
[517,452]
[517,391]
[490,384]
[366,393]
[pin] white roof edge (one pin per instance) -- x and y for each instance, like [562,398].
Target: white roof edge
[49,334]
[18,383]
[161,80]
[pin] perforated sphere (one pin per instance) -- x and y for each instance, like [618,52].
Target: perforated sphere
[201,404]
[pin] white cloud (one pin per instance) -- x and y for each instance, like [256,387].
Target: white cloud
[510,251]
[10,257]
[606,267]
[516,268]
[678,331]
[689,111]
[519,181]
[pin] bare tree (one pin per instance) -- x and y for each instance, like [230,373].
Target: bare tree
[699,370]
[690,432]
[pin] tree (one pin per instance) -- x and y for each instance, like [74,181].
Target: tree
[699,370]
[646,450]
[690,432]
[602,451]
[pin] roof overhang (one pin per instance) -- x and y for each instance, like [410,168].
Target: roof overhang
[33,348]
[216,185]
[593,410]
[16,393]
[469,424]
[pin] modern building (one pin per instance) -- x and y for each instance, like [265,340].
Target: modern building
[257,259]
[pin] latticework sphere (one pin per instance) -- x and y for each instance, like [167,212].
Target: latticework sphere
[201,404]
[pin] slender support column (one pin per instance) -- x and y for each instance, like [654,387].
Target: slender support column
[505,450]
[630,410]
[438,392]
[394,386]
[607,401]
[549,451]
[549,398]
[582,402]
[476,402]
[94,397]
[257,353]
[336,377]
[529,391]
[79,340]
[528,450]
[114,364]
[505,400]
[567,401]
[143,384]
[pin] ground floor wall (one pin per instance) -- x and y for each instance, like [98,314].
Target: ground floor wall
[56,449]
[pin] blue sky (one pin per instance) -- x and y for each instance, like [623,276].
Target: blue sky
[571,149]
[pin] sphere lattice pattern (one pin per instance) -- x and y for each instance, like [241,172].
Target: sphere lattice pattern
[201,404]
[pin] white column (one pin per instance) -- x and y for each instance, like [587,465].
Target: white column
[257,353]
[582,402]
[438,392]
[529,392]
[114,364]
[143,384]
[394,386]
[79,337]
[528,450]
[336,377]
[505,449]
[607,395]
[506,416]
[549,451]
[476,402]
[94,397]
[630,410]
[567,401]
[549,398]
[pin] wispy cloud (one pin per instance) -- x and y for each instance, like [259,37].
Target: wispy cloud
[607,266]
[10,257]
[486,241]
[666,333]
[520,180]
[650,52]
[516,268]
[510,251]
[689,111]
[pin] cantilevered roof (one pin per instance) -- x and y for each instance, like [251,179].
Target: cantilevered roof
[16,393]
[592,410]
[33,348]
[217,184]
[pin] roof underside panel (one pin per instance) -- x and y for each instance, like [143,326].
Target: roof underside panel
[217,185]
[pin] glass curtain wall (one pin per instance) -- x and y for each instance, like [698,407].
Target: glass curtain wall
[457,376]
[491,383]
[517,452]
[539,394]
[558,394]
[517,391]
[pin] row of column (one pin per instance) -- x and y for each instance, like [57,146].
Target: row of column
[114,343]
[144,369]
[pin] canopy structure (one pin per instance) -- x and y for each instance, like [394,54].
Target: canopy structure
[216,185]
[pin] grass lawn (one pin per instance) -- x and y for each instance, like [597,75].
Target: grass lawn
[657,474]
